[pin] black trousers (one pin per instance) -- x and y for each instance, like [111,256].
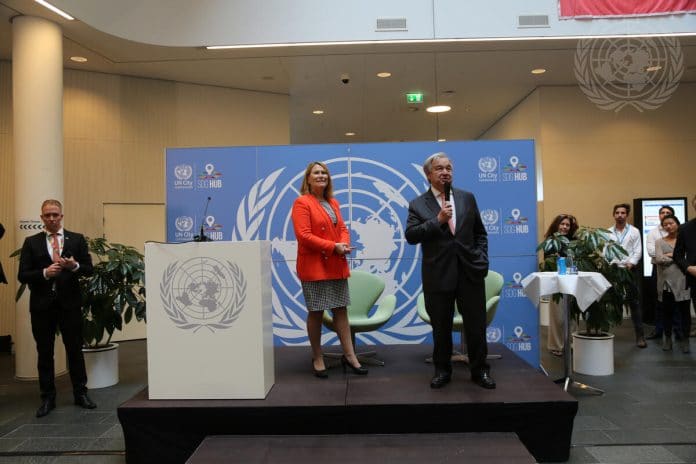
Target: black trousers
[43,327]
[471,303]
[680,310]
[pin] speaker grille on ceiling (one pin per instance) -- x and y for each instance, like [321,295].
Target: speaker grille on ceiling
[532,21]
[391,24]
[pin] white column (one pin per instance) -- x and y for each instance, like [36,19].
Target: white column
[37,92]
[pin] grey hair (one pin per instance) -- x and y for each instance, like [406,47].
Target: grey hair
[429,161]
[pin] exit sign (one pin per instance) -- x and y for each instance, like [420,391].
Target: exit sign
[414,98]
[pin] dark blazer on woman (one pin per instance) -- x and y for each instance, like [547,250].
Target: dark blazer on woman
[685,252]
[3,279]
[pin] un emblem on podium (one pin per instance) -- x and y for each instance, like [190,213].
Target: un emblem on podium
[203,292]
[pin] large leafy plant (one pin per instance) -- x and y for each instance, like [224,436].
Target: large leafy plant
[114,293]
[593,250]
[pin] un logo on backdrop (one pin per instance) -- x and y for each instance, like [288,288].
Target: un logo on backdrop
[374,203]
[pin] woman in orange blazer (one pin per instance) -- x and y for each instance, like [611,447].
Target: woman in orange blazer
[323,242]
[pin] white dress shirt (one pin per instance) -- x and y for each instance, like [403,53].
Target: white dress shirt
[629,239]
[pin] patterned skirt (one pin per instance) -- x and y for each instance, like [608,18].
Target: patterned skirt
[321,295]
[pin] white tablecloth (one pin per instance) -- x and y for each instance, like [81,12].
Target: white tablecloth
[586,287]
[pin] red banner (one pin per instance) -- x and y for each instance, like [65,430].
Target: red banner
[623,8]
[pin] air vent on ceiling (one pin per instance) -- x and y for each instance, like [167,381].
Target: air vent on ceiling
[527,21]
[391,24]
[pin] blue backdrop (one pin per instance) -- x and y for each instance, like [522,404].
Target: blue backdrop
[252,190]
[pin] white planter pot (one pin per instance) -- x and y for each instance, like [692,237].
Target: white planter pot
[102,366]
[593,355]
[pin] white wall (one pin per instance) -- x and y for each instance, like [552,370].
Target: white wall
[220,22]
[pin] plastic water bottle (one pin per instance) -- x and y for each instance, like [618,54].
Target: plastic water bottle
[561,265]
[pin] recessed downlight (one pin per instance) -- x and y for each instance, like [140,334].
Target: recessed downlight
[653,68]
[384,74]
[350,134]
[438,109]
[78,59]
[318,112]
[441,140]
[538,71]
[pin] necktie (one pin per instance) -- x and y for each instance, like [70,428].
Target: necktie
[450,223]
[56,248]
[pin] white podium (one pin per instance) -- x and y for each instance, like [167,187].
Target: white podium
[209,320]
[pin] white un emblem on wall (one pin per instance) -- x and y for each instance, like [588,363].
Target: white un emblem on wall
[203,292]
[374,201]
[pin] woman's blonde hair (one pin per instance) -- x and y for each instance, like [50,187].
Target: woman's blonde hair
[328,191]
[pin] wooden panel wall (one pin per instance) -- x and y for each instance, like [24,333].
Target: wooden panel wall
[116,130]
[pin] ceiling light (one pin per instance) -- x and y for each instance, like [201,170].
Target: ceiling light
[438,109]
[384,74]
[318,112]
[538,71]
[350,134]
[441,140]
[78,59]
[445,41]
[54,9]
[653,68]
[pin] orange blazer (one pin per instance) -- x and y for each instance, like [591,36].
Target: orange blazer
[316,238]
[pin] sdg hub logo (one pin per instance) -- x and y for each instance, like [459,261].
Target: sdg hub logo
[490,219]
[514,171]
[488,169]
[520,341]
[182,177]
[184,226]
[516,223]
[514,288]
[211,179]
[212,229]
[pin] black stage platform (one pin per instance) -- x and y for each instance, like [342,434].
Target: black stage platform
[440,448]
[395,399]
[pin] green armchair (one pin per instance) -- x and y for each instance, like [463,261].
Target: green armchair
[494,286]
[365,289]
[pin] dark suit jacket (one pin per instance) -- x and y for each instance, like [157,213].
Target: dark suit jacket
[3,280]
[685,250]
[35,258]
[444,253]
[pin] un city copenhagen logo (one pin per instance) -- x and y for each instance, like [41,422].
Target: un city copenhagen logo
[203,293]
[488,169]
[642,73]
[490,219]
[182,176]
[374,202]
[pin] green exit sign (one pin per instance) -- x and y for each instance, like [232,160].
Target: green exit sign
[414,97]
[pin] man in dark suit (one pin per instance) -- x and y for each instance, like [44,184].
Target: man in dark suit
[685,257]
[50,264]
[455,263]
[3,280]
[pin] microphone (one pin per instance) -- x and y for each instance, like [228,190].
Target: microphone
[448,188]
[201,237]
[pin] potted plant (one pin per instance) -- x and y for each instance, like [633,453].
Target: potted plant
[593,250]
[111,296]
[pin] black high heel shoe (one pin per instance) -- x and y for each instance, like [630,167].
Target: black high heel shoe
[321,373]
[356,370]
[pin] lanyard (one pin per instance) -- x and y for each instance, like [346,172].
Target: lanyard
[621,236]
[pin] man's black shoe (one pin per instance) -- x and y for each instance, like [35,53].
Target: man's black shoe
[46,407]
[84,402]
[653,335]
[484,380]
[440,380]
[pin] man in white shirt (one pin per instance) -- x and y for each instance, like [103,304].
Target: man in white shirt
[654,235]
[628,237]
